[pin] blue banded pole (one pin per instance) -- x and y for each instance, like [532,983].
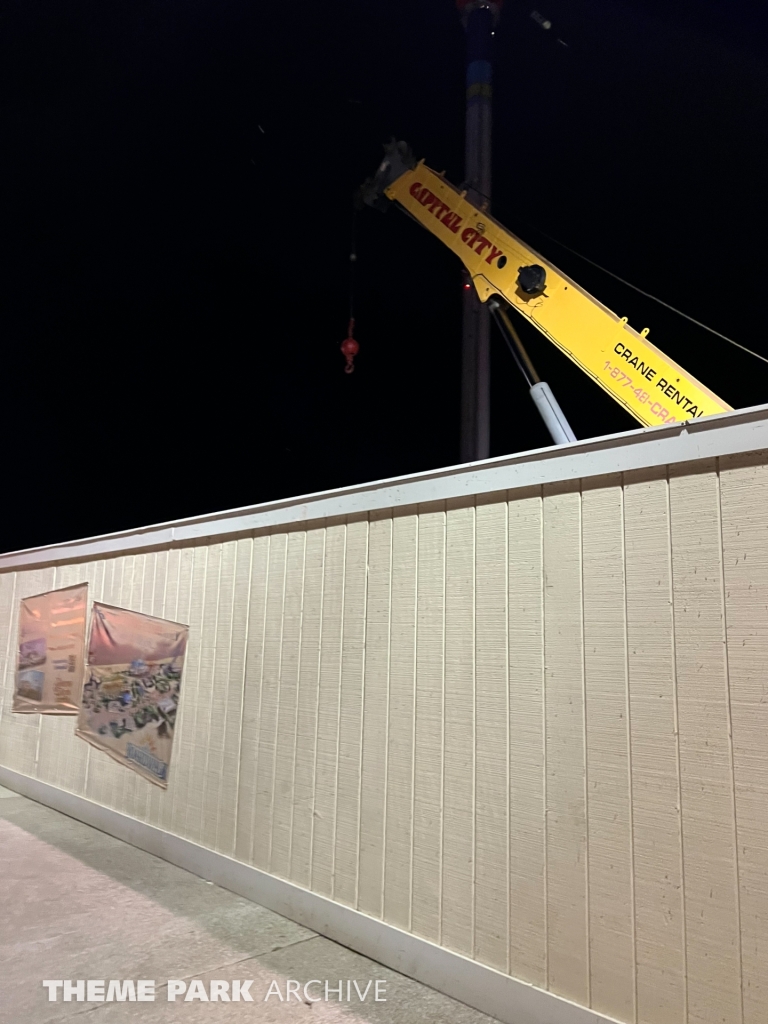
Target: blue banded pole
[475,373]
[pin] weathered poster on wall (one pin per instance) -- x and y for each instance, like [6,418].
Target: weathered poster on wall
[49,674]
[132,687]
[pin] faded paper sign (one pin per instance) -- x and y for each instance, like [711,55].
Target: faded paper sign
[49,674]
[132,687]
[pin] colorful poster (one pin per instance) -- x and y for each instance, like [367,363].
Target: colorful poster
[131,693]
[49,676]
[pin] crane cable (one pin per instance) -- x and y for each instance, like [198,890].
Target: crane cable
[640,291]
[649,296]
[350,346]
[352,264]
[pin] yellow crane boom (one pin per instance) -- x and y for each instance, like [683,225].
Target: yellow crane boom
[623,362]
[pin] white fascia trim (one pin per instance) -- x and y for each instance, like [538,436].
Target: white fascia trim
[730,433]
[507,999]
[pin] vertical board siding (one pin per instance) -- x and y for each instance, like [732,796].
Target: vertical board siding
[306,718]
[347,818]
[233,682]
[706,777]
[659,894]
[402,691]
[459,726]
[492,720]
[7,646]
[270,699]
[197,827]
[249,730]
[282,798]
[527,800]
[327,742]
[428,746]
[187,749]
[529,727]
[609,816]
[373,787]
[744,501]
[219,783]
[567,840]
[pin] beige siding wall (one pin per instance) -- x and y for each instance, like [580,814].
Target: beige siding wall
[531,727]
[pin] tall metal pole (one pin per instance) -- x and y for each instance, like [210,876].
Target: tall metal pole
[479,17]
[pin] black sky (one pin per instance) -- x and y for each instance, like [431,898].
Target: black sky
[176,214]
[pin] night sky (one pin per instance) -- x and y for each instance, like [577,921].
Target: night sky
[177,181]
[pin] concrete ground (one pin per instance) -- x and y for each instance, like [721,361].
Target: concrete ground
[77,904]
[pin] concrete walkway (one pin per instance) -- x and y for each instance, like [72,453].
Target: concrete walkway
[77,904]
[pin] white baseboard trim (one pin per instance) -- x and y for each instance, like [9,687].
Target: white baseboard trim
[507,999]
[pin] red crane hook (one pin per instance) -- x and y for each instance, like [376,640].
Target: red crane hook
[350,348]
